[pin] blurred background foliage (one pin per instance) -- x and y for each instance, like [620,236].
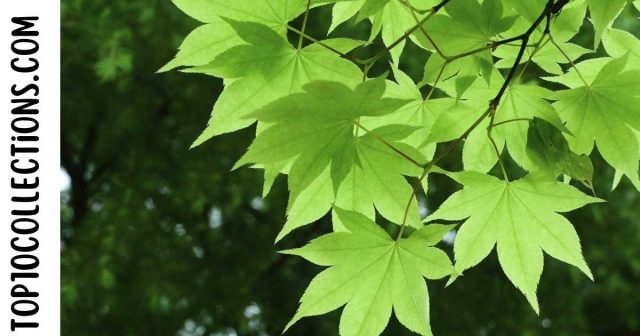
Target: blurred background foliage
[161,240]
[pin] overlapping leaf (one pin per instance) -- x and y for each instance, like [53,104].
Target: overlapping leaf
[267,67]
[542,51]
[316,129]
[519,104]
[378,179]
[467,26]
[394,19]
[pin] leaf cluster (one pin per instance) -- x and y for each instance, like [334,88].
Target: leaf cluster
[359,146]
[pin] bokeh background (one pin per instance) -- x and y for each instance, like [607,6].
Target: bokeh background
[161,240]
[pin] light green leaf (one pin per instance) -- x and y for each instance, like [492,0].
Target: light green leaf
[393,20]
[377,179]
[547,55]
[267,68]
[522,218]
[316,130]
[605,109]
[415,113]
[528,9]
[373,275]
[396,20]
[382,171]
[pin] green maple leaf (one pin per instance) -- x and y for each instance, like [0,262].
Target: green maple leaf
[268,67]
[315,129]
[377,177]
[374,181]
[452,117]
[605,109]
[549,58]
[519,104]
[521,218]
[418,112]
[373,275]
[309,206]
[395,20]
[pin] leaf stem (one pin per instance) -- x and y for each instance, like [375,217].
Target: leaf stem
[573,65]
[326,46]
[510,120]
[406,35]
[538,47]
[457,141]
[413,9]
[425,171]
[304,24]
[422,30]
[435,84]
[390,145]
[524,38]
[495,147]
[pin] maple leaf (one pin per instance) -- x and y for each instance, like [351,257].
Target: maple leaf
[315,129]
[378,179]
[352,144]
[521,218]
[373,274]
[603,105]
[268,67]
